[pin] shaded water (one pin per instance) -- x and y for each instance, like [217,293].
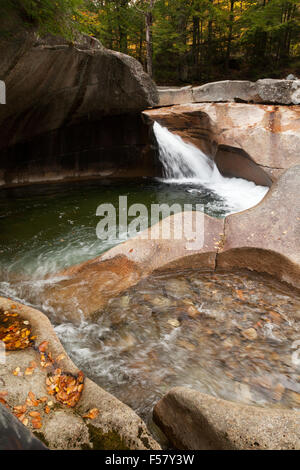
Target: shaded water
[229,334]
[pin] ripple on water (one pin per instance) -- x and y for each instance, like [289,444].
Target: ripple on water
[227,334]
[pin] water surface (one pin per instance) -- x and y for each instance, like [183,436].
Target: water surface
[232,335]
[44,228]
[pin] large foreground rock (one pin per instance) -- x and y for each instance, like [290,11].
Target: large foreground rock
[117,427]
[15,436]
[50,86]
[72,110]
[245,140]
[195,421]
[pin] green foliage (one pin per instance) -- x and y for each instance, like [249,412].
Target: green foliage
[57,17]
[200,40]
[193,40]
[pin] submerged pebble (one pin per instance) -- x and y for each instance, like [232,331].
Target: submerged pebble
[227,334]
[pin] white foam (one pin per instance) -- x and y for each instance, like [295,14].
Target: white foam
[184,163]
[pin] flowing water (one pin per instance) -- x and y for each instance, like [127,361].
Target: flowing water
[232,335]
[185,164]
[186,328]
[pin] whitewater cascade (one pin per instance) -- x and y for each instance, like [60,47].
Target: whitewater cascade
[184,163]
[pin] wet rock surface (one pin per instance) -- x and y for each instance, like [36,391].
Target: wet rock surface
[85,288]
[193,420]
[95,420]
[266,237]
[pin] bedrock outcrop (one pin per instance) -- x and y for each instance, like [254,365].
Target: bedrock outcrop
[264,239]
[255,142]
[87,287]
[196,421]
[71,109]
[23,390]
[53,85]
[267,90]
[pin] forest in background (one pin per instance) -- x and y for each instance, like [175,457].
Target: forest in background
[182,41]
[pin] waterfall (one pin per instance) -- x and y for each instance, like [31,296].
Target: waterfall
[184,163]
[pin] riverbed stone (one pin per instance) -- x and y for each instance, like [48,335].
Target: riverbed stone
[117,427]
[196,421]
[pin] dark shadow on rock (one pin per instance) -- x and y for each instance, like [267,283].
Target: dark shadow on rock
[14,435]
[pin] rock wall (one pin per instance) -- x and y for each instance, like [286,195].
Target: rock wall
[114,146]
[256,142]
[69,99]
[267,90]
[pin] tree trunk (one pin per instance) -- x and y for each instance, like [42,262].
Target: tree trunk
[229,39]
[210,49]
[140,56]
[122,28]
[149,41]
[196,39]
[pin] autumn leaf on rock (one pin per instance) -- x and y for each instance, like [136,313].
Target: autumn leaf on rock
[65,387]
[43,346]
[92,414]
[31,400]
[36,423]
[14,331]
[29,371]
[60,358]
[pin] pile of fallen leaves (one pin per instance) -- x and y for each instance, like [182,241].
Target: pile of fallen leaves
[65,387]
[25,413]
[15,332]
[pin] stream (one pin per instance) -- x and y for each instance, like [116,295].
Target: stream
[232,335]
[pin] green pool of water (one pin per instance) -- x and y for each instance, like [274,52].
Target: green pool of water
[44,228]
